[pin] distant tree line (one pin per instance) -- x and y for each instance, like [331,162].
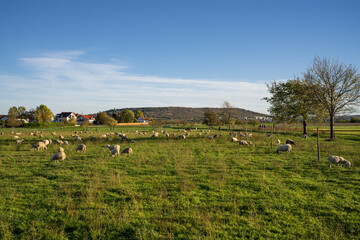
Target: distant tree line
[18,116]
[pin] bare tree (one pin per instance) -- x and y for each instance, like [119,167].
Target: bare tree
[227,114]
[335,86]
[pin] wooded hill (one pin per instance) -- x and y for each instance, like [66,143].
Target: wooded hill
[185,113]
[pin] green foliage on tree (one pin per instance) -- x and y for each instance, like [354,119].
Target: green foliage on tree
[210,118]
[128,116]
[43,114]
[111,122]
[13,117]
[335,86]
[291,101]
[138,114]
[102,117]
[254,122]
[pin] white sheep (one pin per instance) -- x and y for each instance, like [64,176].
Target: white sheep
[46,142]
[284,148]
[81,147]
[66,143]
[155,135]
[114,152]
[234,139]
[59,142]
[278,142]
[61,136]
[243,142]
[59,155]
[337,160]
[127,151]
[38,146]
[112,147]
[19,141]
[182,137]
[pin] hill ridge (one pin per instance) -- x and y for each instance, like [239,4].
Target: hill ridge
[172,113]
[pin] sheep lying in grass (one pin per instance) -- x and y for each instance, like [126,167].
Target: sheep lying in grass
[81,147]
[289,141]
[59,155]
[284,148]
[127,151]
[337,160]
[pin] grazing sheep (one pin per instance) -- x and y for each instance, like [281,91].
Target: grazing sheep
[187,134]
[234,139]
[16,137]
[81,147]
[155,135]
[243,142]
[59,155]
[127,151]
[53,133]
[182,137]
[123,137]
[250,143]
[66,143]
[38,146]
[284,148]
[112,147]
[46,142]
[78,138]
[59,142]
[50,141]
[210,138]
[61,136]
[289,141]
[19,141]
[278,142]
[114,152]
[337,160]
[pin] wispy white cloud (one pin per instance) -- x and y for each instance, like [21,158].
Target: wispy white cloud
[64,82]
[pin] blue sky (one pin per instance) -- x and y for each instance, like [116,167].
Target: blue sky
[88,56]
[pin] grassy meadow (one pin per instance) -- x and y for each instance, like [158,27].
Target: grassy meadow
[170,188]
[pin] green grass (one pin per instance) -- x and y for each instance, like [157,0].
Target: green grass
[178,189]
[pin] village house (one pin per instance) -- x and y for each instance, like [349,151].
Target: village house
[3,117]
[64,117]
[144,120]
[86,118]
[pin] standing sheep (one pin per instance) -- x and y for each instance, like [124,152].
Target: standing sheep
[59,155]
[337,160]
[234,139]
[182,137]
[127,151]
[81,147]
[284,148]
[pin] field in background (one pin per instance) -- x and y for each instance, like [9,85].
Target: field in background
[179,189]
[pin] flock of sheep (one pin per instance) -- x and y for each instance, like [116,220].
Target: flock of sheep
[115,149]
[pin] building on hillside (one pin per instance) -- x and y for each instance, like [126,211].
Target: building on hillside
[3,117]
[86,118]
[144,120]
[65,117]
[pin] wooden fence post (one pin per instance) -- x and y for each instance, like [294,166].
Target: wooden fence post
[318,145]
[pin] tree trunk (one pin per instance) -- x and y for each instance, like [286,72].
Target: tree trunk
[304,127]
[332,131]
